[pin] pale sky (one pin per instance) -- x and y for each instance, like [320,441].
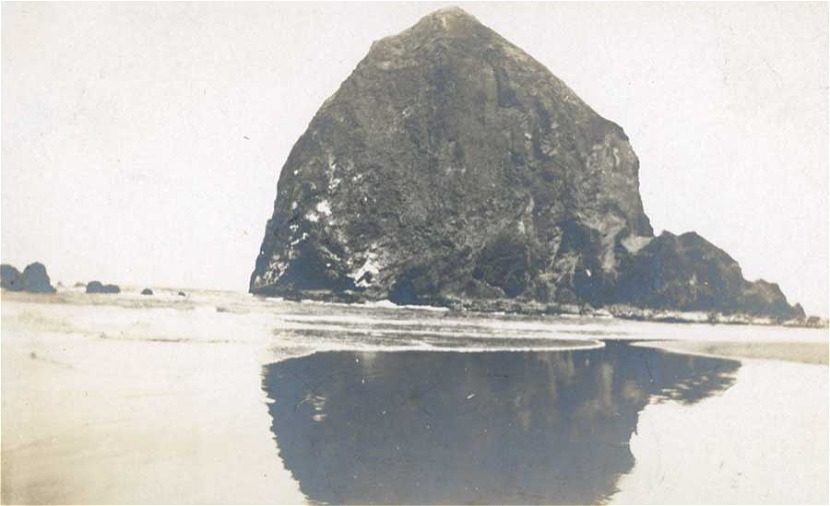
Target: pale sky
[141,143]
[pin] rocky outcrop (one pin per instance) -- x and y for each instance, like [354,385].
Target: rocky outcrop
[98,287]
[453,168]
[10,278]
[146,291]
[33,279]
[689,273]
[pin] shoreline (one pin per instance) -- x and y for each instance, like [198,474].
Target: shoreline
[534,308]
[476,309]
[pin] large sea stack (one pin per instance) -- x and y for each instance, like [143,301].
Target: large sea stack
[452,168]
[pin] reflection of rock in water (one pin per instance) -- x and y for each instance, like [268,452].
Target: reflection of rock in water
[501,427]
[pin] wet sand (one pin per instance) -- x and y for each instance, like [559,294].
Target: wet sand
[800,352]
[129,415]
[124,399]
[762,441]
[131,399]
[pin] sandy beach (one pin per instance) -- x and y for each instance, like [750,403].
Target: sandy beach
[780,397]
[705,454]
[132,414]
[798,352]
[159,400]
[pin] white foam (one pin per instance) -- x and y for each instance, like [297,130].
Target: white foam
[370,266]
[323,208]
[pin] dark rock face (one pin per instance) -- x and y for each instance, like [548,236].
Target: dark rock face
[451,166]
[10,278]
[98,287]
[689,273]
[146,291]
[34,279]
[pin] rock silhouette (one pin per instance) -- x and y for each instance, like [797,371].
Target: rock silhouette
[98,287]
[10,278]
[33,279]
[451,168]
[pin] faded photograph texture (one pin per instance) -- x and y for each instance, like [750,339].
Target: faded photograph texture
[414,253]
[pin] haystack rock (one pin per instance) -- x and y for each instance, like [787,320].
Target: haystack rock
[451,167]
